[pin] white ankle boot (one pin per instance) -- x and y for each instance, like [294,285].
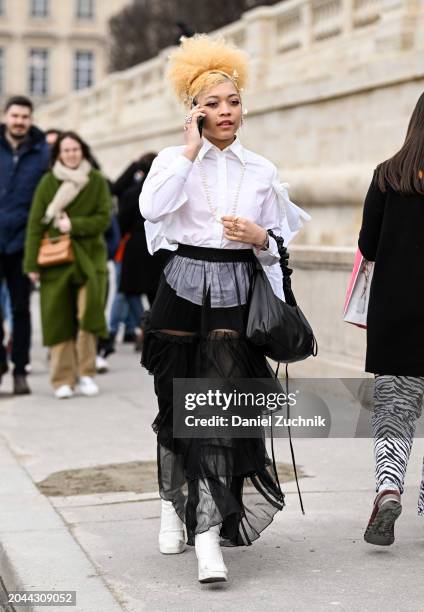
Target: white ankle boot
[171,534]
[208,552]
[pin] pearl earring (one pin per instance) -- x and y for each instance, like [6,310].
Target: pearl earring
[245,111]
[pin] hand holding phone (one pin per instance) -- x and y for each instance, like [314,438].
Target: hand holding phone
[193,132]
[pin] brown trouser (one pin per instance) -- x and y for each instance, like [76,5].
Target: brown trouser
[74,358]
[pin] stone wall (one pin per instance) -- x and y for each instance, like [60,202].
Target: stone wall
[319,281]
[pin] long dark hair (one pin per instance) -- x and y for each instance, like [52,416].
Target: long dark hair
[404,171]
[86,151]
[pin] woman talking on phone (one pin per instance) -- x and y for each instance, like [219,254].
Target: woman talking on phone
[211,201]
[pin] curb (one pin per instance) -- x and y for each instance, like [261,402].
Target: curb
[37,550]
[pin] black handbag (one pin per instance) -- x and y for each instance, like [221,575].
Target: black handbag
[278,328]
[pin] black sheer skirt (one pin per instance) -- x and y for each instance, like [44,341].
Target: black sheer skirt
[211,481]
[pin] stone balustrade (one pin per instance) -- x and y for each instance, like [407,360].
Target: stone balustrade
[264,32]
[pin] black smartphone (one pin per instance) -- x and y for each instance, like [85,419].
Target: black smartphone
[199,121]
[200,124]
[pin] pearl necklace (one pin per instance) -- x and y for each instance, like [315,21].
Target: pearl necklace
[214,209]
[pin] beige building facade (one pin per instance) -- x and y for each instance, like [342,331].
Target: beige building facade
[49,48]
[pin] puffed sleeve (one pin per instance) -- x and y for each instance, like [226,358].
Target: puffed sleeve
[163,189]
[162,194]
[280,215]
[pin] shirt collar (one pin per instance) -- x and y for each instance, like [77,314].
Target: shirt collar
[235,147]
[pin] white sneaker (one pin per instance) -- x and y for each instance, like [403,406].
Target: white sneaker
[209,555]
[87,386]
[102,365]
[171,534]
[64,392]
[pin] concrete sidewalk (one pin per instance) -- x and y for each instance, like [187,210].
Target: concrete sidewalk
[104,546]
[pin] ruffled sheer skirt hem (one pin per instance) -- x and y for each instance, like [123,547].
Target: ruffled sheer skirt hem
[229,482]
[241,524]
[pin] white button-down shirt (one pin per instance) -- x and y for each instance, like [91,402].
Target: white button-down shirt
[175,205]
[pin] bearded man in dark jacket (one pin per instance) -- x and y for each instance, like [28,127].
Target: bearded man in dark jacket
[24,157]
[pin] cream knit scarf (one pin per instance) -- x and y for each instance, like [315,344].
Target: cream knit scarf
[74,180]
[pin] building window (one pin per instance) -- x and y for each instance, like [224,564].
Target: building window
[1,71]
[38,72]
[39,8]
[85,9]
[83,69]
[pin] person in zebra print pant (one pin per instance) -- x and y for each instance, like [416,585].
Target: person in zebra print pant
[392,236]
[397,407]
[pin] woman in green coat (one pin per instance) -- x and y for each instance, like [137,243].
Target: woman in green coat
[73,198]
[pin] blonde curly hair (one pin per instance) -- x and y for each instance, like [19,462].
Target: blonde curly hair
[202,62]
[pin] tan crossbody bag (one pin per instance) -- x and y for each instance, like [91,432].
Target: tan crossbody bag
[55,251]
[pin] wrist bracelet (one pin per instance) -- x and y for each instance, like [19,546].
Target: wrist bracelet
[264,245]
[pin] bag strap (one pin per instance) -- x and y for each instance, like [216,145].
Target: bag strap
[286,271]
[291,300]
[274,465]
[291,442]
